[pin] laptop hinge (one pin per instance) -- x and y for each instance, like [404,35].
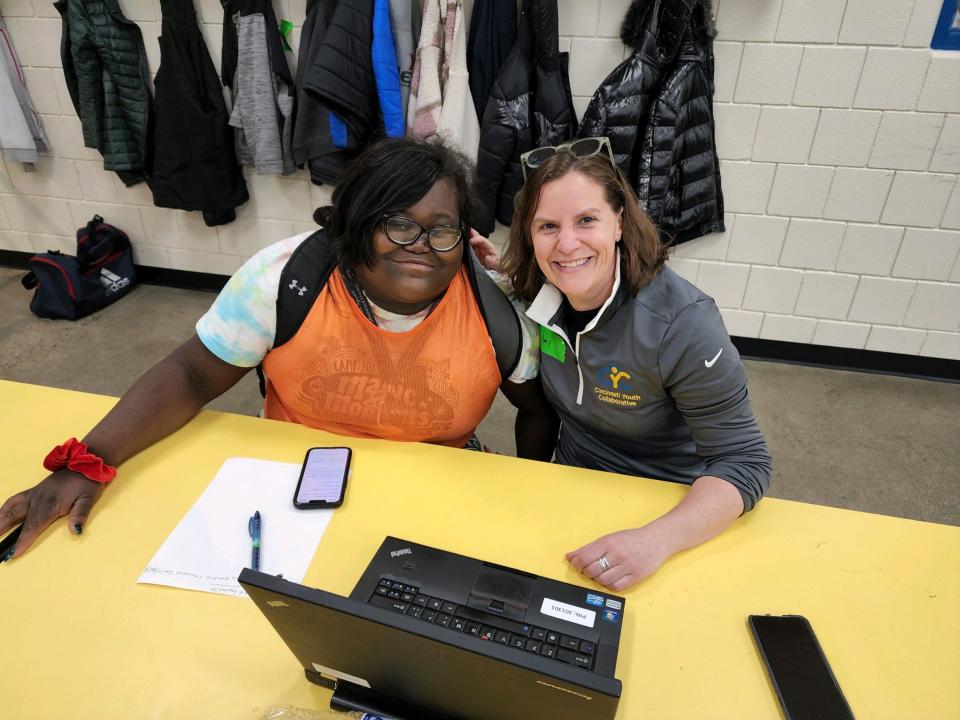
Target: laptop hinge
[351,697]
[319,678]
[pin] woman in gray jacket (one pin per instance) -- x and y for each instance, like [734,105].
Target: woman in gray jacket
[635,360]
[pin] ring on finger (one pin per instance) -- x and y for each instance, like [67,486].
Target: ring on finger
[603,563]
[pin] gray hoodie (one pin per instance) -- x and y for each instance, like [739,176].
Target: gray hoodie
[401,20]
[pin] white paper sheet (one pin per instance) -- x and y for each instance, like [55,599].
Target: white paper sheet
[211,545]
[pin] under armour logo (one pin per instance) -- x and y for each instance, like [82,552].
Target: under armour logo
[301,289]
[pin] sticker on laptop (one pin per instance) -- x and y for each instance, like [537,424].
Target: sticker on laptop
[593,599]
[610,615]
[341,675]
[570,613]
[614,604]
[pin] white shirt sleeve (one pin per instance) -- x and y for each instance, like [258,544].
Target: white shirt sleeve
[528,366]
[240,326]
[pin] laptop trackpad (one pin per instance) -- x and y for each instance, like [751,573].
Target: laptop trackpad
[501,592]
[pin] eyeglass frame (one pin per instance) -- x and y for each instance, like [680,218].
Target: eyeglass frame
[603,140]
[423,230]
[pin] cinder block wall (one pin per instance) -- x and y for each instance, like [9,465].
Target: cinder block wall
[838,131]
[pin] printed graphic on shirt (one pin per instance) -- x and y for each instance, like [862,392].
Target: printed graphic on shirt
[615,386]
[352,386]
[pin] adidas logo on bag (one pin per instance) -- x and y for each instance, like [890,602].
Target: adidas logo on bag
[112,282]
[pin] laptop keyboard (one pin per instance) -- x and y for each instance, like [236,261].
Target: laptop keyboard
[407,600]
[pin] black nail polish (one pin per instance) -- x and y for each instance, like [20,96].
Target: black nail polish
[78,529]
[7,556]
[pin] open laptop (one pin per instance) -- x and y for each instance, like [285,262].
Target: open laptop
[431,634]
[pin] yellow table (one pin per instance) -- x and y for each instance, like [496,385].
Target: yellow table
[82,640]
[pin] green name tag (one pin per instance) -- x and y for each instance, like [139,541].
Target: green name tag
[552,344]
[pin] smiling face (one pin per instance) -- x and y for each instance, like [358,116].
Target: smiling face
[574,233]
[406,279]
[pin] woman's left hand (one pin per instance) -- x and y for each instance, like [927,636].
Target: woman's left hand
[485,250]
[631,555]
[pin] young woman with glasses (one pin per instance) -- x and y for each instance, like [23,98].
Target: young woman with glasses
[635,360]
[393,347]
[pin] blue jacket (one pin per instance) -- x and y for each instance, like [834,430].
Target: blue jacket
[385,70]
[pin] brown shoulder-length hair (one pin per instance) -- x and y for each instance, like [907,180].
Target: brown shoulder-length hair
[641,252]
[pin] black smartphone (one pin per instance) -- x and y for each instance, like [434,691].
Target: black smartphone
[6,545]
[798,669]
[323,478]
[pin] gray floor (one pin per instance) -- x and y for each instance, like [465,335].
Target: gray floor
[876,443]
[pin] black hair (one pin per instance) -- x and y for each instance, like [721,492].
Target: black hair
[388,176]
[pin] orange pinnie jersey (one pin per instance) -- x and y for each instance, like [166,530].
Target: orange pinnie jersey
[343,374]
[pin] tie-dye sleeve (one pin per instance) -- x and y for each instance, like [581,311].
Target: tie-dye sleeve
[239,327]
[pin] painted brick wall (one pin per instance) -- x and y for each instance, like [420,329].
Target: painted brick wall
[838,131]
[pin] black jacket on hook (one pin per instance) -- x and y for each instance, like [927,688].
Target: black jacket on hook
[493,30]
[529,106]
[657,109]
[194,165]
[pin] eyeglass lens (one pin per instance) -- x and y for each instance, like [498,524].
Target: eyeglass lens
[405,232]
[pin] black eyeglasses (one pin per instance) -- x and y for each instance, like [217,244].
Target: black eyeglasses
[584,147]
[404,231]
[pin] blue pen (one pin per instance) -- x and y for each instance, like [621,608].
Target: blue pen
[253,527]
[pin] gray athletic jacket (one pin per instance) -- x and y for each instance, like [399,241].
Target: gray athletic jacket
[654,387]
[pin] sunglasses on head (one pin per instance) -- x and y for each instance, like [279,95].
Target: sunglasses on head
[402,230]
[585,147]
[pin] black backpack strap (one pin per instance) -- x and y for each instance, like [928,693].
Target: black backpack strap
[498,313]
[311,264]
[301,281]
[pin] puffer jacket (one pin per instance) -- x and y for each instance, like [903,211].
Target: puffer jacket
[341,74]
[337,104]
[385,71]
[105,66]
[529,106]
[657,109]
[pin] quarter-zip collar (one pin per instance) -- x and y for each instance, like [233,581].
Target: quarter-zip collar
[546,309]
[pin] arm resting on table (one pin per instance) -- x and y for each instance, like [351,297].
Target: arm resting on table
[162,401]
[709,508]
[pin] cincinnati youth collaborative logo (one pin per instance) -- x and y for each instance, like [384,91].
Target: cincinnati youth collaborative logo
[615,386]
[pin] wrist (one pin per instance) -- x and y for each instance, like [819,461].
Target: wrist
[661,535]
[75,456]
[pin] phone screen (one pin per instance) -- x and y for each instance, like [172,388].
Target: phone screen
[323,479]
[801,676]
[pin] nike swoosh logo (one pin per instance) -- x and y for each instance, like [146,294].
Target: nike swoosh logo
[710,363]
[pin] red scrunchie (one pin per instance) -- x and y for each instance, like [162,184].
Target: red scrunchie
[74,455]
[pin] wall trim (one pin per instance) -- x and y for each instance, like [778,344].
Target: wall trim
[856,360]
[837,358]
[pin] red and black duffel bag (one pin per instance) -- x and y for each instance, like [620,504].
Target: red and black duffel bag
[73,287]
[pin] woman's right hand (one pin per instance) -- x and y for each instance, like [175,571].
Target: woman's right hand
[62,493]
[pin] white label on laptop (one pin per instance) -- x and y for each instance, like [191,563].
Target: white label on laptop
[570,613]
[342,675]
